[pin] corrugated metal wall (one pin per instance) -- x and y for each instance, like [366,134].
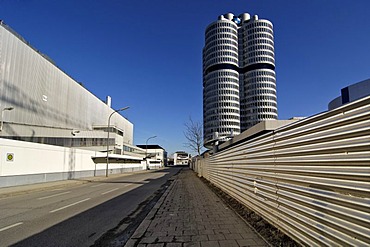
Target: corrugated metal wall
[43,95]
[311,179]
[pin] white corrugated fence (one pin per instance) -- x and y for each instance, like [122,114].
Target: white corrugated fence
[310,179]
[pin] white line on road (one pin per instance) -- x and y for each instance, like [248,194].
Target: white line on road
[11,226]
[96,185]
[59,194]
[109,191]
[70,205]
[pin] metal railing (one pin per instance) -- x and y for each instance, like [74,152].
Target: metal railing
[310,179]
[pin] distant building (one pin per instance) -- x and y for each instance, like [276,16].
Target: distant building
[239,85]
[351,93]
[181,158]
[155,154]
[296,118]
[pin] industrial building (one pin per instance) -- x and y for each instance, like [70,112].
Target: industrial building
[41,104]
[239,82]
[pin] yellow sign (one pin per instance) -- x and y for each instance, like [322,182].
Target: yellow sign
[9,157]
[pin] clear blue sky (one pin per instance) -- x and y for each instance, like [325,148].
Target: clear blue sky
[148,54]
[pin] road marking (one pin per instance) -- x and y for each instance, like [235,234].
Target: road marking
[70,205]
[11,226]
[59,194]
[96,185]
[109,191]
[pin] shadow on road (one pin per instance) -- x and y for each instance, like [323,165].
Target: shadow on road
[115,218]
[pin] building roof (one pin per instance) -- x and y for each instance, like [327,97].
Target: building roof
[351,93]
[150,146]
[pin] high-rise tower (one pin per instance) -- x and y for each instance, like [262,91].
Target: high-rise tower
[257,71]
[221,107]
[239,85]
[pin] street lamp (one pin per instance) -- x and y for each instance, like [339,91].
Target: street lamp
[121,109]
[2,114]
[146,151]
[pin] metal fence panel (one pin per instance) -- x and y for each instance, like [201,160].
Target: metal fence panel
[311,179]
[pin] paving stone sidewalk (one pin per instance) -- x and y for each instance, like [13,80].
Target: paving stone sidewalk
[191,214]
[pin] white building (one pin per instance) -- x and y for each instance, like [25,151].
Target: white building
[181,158]
[155,154]
[41,103]
[239,85]
[48,105]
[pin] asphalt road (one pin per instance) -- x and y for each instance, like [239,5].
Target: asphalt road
[75,215]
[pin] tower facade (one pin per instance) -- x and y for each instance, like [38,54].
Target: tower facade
[239,82]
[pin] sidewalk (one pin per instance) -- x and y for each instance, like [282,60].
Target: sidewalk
[190,214]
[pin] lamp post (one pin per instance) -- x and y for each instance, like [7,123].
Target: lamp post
[146,151]
[121,109]
[2,114]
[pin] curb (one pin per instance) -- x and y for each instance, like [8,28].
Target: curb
[142,228]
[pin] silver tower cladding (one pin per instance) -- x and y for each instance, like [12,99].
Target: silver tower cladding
[221,109]
[239,85]
[257,71]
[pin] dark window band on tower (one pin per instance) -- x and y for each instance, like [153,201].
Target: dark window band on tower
[221,66]
[256,66]
[240,70]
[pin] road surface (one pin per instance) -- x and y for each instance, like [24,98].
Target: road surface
[76,215]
